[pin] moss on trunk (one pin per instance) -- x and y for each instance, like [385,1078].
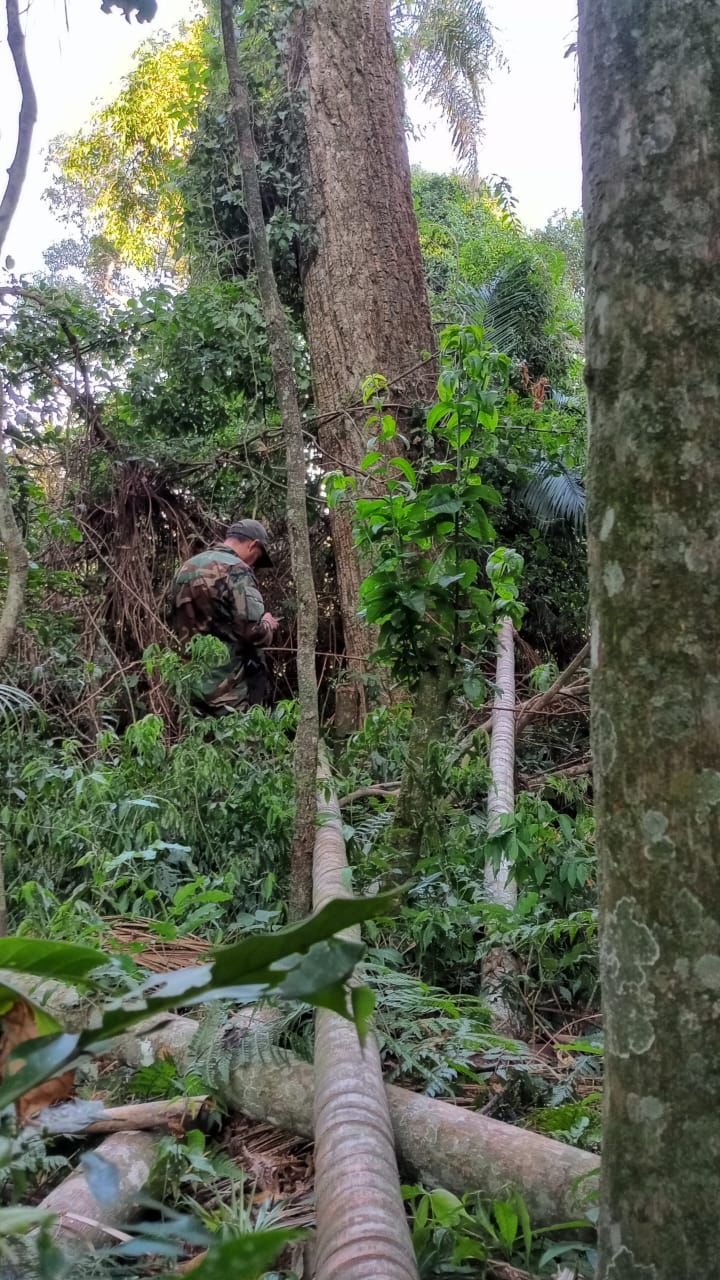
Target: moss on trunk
[650,96]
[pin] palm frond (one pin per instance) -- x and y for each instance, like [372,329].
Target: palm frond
[448,47]
[555,493]
[12,699]
[501,306]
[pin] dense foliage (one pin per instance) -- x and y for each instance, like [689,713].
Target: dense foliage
[141,419]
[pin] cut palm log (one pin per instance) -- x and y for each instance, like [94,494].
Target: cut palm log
[90,1220]
[362,1228]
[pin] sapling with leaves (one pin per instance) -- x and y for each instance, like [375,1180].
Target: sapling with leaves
[435,592]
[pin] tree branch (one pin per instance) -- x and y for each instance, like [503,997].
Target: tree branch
[26,120]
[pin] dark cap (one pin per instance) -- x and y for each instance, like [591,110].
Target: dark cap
[254,531]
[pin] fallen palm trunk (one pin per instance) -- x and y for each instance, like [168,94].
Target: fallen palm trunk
[437,1143]
[89,1220]
[361,1223]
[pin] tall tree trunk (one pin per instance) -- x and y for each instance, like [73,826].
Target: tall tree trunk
[362,1230]
[10,535]
[500,887]
[650,99]
[281,355]
[366,305]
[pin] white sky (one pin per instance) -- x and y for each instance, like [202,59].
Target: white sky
[531,132]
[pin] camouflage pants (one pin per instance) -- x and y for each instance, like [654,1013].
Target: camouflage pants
[235,687]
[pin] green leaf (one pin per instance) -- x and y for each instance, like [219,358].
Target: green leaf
[363,1007]
[102,1176]
[403,465]
[247,1257]
[446,1207]
[63,961]
[42,1059]
[244,973]
[507,1220]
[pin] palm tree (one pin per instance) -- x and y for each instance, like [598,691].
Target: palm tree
[448,49]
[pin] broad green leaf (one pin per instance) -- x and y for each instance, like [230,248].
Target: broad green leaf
[42,1059]
[63,961]
[247,1257]
[403,465]
[284,962]
[507,1220]
[102,1177]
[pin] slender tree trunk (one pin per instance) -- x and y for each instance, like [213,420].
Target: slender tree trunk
[650,99]
[362,1230]
[366,305]
[412,828]
[17,556]
[26,121]
[500,888]
[281,354]
[10,536]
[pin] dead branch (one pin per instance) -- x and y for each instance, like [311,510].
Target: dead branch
[384,791]
[535,706]
[64,1119]
[541,700]
[537,781]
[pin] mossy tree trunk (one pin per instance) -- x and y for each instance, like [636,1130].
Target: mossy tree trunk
[366,305]
[650,98]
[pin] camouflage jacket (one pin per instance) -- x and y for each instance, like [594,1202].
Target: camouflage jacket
[216,593]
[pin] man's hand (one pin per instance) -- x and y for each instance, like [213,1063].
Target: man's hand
[271,622]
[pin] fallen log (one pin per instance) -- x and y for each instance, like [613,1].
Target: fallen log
[81,1215]
[437,1143]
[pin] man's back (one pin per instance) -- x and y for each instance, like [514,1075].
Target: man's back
[216,593]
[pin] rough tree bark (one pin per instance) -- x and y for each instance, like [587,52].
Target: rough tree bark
[366,307]
[10,535]
[281,354]
[500,886]
[650,99]
[361,1225]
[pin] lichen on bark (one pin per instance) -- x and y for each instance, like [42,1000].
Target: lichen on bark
[650,100]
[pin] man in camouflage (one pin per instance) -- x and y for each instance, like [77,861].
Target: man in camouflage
[216,593]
